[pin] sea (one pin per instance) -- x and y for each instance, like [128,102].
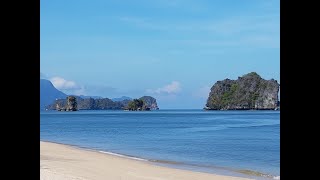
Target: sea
[237,143]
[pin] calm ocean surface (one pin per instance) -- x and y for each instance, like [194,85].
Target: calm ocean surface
[211,141]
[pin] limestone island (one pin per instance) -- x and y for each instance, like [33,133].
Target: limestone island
[70,105]
[249,92]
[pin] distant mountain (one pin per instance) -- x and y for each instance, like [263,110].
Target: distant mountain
[95,97]
[48,93]
[121,98]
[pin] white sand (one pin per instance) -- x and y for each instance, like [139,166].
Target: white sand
[62,162]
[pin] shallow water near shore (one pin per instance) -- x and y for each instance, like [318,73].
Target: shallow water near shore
[244,142]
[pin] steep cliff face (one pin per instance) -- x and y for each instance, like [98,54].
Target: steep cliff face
[72,104]
[150,102]
[247,92]
[68,104]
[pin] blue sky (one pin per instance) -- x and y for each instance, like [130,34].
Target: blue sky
[173,50]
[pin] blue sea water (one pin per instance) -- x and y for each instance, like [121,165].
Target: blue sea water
[210,141]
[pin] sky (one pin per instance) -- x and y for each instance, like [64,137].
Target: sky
[173,50]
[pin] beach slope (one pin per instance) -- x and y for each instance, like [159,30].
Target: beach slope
[62,162]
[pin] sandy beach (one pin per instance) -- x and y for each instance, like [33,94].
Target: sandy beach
[63,162]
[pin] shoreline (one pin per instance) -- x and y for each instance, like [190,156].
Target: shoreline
[61,161]
[210,169]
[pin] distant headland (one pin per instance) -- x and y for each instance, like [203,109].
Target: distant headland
[74,103]
[53,99]
[249,92]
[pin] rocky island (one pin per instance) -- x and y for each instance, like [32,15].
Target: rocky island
[69,105]
[249,92]
[143,103]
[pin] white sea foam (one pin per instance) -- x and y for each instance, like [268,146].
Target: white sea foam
[120,155]
[276,177]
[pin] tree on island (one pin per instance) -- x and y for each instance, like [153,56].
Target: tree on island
[136,105]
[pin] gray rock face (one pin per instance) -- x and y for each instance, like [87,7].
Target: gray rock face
[247,92]
[150,102]
[68,104]
[71,104]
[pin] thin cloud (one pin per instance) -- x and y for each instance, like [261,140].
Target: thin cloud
[225,26]
[202,92]
[172,88]
[182,5]
[236,31]
[72,88]
[101,90]
[79,91]
[145,23]
[63,84]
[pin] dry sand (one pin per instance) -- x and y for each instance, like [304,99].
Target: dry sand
[62,162]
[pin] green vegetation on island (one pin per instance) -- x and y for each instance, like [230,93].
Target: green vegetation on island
[247,92]
[136,105]
[143,103]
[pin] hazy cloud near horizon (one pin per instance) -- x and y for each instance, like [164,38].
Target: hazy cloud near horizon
[172,88]
[71,87]
[63,84]
[202,92]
